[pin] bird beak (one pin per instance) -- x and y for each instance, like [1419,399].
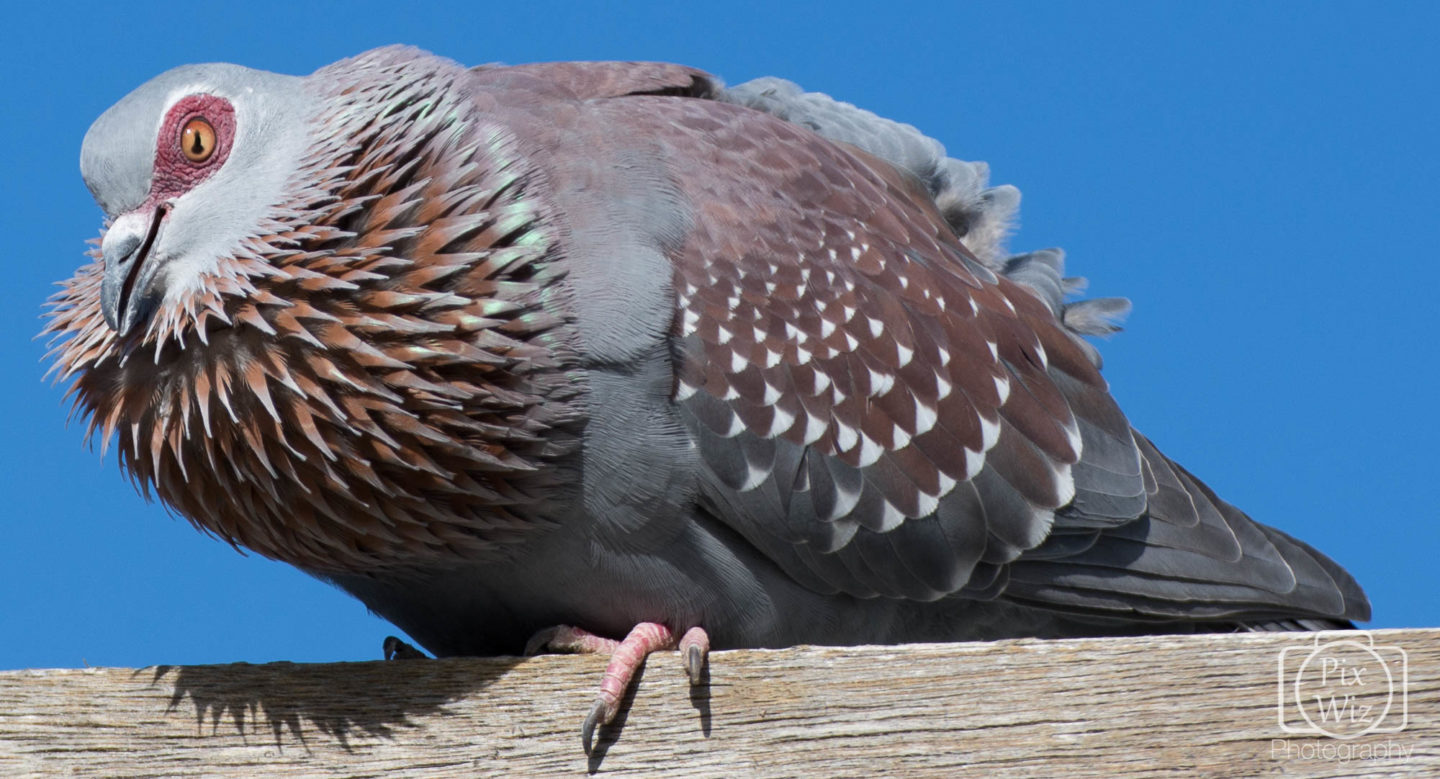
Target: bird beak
[125,299]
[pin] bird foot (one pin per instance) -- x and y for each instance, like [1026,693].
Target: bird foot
[395,649]
[569,640]
[626,657]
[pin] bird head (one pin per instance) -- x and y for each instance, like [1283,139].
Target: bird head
[185,167]
[344,280]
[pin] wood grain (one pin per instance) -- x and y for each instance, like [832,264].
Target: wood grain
[1150,706]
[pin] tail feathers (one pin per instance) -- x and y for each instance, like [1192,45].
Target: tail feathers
[1356,606]
[1287,625]
[1190,557]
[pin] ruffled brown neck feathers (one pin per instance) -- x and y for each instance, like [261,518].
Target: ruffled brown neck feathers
[376,374]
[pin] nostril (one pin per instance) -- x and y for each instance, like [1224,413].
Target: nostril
[123,251]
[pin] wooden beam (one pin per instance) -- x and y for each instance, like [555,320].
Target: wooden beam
[1150,706]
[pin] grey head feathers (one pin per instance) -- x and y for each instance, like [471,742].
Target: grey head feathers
[118,154]
[207,219]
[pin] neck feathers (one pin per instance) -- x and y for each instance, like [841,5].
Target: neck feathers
[379,371]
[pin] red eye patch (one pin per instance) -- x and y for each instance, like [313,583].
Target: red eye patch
[176,171]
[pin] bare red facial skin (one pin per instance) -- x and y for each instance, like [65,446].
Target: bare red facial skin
[175,174]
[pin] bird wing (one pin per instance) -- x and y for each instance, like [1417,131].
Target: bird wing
[1191,555]
[601,79]
[876,409]
[882,414]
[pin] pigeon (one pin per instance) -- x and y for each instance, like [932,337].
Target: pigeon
[611,357]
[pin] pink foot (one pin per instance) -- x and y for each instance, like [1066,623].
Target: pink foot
[570,640]
[626,657]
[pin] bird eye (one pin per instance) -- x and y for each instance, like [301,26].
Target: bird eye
[197,140]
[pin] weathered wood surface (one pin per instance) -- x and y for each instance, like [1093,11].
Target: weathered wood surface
[1175,706]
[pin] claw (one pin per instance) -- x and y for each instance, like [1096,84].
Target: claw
[626,657]
[599,715]
[694,664]
[694,648]
[540,641]
[395,649]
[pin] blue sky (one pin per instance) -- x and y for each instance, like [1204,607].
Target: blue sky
[1261,180]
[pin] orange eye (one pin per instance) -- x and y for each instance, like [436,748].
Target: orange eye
[197,140]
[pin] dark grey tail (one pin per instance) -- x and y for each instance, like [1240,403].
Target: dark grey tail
[1191,558]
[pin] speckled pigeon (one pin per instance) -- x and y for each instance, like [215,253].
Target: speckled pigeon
[606,356]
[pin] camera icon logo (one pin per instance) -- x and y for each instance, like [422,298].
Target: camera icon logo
[1343,688]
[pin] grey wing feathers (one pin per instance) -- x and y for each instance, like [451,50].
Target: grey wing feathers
[1191,556]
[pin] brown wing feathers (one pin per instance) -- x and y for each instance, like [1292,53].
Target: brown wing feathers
[846,328]
[885,415]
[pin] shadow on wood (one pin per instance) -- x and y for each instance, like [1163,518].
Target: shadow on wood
[1202,704]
